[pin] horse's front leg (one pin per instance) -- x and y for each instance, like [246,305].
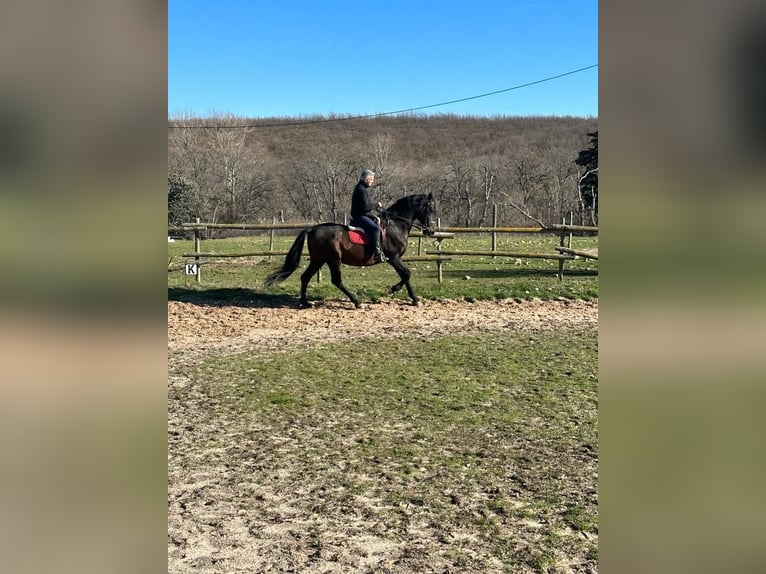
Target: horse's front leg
[394,288]
[404,274]
[337,280]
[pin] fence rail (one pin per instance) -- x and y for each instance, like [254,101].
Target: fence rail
[553,229]
[564,231]
[474,253]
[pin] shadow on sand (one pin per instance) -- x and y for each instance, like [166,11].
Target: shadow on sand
[237,297]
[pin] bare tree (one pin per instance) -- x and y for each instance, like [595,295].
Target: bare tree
[228,174]
[242,182]
[558,188]
[587,181]
[189,161]
[587,193]
[325,185]
[186,150]
[303,192]
[488,178]
[378,158]
[526,180]
[461,183]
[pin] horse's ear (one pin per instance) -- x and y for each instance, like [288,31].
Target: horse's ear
[430,195]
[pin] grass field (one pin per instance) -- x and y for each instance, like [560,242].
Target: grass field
[464,453]
[464,277]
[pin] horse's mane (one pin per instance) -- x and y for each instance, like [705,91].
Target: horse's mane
[407,201]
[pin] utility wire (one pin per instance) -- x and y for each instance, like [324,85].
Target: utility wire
[345,119]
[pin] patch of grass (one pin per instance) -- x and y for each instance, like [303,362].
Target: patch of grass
[486,434]
[281,398]
[579,519]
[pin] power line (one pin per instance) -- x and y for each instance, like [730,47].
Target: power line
[345,119]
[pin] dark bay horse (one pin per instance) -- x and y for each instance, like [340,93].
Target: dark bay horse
[330,243]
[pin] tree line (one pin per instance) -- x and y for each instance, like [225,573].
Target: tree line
[228,169]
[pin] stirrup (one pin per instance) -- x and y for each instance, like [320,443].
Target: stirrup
[379,256]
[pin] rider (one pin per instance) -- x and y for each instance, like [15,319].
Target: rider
[361,208]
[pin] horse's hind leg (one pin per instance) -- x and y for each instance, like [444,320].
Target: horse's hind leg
[305,278]
[338,282]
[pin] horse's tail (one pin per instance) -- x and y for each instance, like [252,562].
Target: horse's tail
[292,260]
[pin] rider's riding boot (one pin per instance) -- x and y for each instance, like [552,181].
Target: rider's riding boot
[379,255]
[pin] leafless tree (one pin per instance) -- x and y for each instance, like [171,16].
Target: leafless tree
[525,180]
[189,160]
[326,180]
[488,171]
[558,190]
[242,182]
[460,187]
[377,157]
[587,196]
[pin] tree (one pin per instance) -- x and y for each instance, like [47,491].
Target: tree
[488,173]
[184,201]
[526,178]
[559,192]
[587,178]
[459,199]
[190,170]
[241,183]
[381,148]
[322,189]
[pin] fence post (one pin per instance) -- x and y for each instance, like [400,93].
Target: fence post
[197,249]
[439,248]
[562,237]
[271,235]
[494,224]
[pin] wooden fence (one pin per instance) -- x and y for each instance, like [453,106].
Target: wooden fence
[564,251]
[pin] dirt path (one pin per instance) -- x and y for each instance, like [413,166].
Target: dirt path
[196,328]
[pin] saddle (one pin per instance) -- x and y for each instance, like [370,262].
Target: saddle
[358,236]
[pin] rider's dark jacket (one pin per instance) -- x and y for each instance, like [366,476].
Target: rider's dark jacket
[361,204]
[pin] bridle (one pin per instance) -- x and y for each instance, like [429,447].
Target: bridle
[426,229]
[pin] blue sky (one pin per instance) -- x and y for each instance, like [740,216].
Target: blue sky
[294,58]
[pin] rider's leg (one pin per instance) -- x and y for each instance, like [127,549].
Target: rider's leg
[372,231]
[377,251]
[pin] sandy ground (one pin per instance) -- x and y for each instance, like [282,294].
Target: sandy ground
[195,329]
[224,517]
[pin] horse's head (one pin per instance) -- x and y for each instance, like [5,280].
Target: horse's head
[425,210]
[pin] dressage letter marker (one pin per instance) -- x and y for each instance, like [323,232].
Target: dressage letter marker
[191,268]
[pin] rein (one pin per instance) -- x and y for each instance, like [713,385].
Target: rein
[412,221]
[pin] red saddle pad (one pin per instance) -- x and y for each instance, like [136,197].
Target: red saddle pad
[358,237]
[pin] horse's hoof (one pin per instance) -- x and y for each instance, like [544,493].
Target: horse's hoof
[304,305]
[416,303]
